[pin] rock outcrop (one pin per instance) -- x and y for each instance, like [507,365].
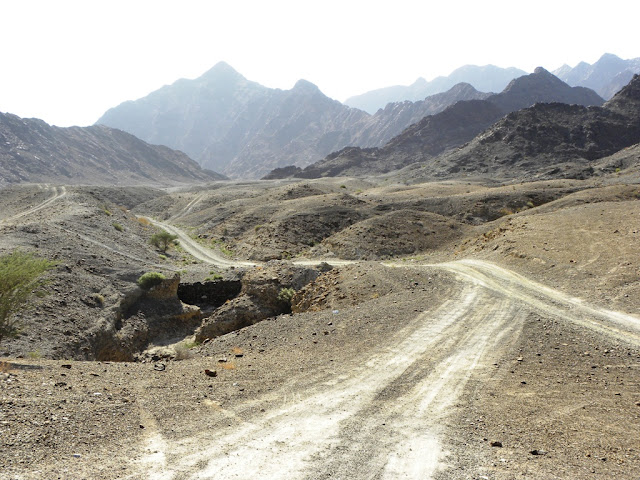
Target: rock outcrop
[143,317]
[263,295]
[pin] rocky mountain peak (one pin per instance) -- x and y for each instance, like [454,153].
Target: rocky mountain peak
[304,86]
[222,71]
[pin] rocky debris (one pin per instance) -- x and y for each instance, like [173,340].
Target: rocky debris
[538,452]
[261,297]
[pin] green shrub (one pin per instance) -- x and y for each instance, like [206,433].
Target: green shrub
[118,227]
[20,274]
[285,295]
[150,279]
[163,240]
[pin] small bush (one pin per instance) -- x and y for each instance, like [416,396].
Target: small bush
[163,240]
[99,299]
[20,276]
[106,210]
[150,279]
[285,295]
[118,227]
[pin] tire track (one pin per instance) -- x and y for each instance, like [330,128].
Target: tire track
[58,193]
[619,325]
[366,423]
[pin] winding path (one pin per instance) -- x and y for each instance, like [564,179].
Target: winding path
[58,193]
[383,418]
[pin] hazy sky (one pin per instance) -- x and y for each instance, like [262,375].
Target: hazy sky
[67,62]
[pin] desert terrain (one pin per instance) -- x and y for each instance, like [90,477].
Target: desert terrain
[447,330]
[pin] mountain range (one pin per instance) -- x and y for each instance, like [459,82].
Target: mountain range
[487,78]
[244,130]
[606,76]
[457,124]
[33,151]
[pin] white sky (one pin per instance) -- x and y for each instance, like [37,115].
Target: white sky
[67,62]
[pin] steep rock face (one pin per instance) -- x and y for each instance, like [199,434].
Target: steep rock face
[260,298]
[487,78]
[297,126]
[607,76]
[33,151]
[450,128]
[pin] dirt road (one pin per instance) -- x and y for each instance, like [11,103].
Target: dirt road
[378,419]
[382,418]
[56,194]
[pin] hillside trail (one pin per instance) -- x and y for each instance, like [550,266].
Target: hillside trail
[57,193]
[383,417]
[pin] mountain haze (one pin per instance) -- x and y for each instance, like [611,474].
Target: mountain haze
[606,76]
[230,124]
[487,78]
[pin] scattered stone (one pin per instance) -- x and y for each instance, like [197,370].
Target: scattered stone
[538,452]
[159,367]
[496,444]
[66,365]
[211,373]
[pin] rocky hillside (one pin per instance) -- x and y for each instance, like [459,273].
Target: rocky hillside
[549,141]
[456,125]
[607,76]
[488,78]
[378,129]
[238,127]
[33,151]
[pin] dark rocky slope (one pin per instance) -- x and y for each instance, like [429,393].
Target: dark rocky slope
[547,141]
[33,151]
[456,125]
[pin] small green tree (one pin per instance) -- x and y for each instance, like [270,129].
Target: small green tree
[20,274]
[163,240]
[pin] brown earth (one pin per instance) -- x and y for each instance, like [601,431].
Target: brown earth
[383,371]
